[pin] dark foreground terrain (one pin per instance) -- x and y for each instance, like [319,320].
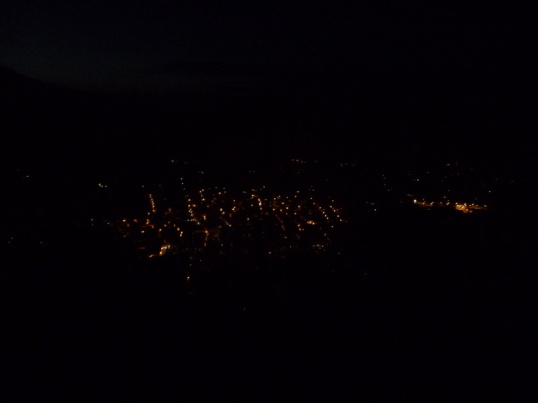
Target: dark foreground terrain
[419,307]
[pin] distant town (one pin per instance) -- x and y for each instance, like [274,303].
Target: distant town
[191,206]
[193,210]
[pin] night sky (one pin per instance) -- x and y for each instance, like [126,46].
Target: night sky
[149,45]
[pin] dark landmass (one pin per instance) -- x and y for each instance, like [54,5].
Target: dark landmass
[420,303]
[395,116]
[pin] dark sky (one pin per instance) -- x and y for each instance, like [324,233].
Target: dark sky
[157,44]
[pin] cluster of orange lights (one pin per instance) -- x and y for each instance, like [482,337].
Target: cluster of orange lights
[463,207]
[220,217]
